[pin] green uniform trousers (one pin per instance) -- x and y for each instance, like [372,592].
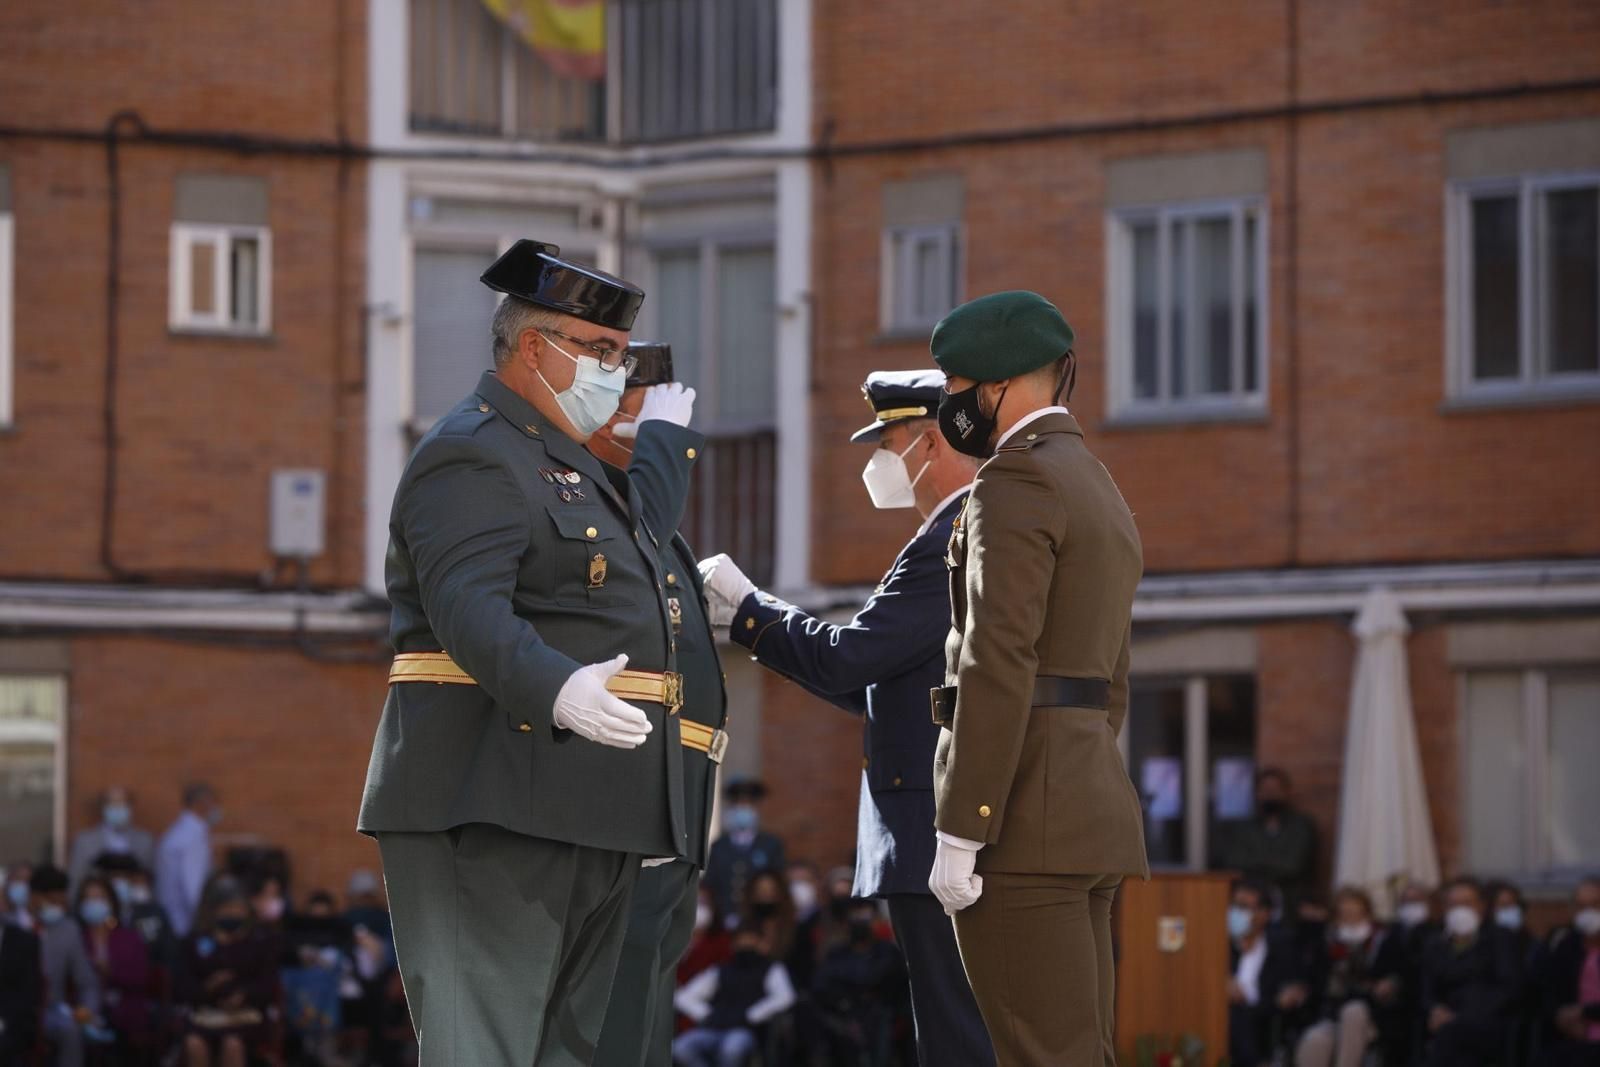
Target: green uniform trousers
[507,944]
[640,1019]
[1037,949]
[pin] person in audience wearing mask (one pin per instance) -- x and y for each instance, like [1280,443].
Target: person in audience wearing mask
[744,848]
[72,1003]
[712,941]
[269,907]
[1278,847]
[21,988]
[730,1003]
[183,859]
[1570,982]
[767,905]
[140,911]
[1472,974]
[115,834]
[859,990]
[880,666]
[121,961]
[1359,979]
[14,906]
[1266,983]
[229,979]
[804,890]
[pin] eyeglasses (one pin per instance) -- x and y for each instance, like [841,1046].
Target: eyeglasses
[610,356]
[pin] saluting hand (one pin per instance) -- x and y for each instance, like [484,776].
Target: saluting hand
[589,710]
[953,881]
[670,402]
[726,588]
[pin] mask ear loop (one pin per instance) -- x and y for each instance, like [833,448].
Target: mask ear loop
[926,463]
[1069,378]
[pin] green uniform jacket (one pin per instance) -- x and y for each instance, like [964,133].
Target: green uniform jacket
[488,562]
[1044,562]
[663,458]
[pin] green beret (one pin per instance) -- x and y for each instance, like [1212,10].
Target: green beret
[999,336]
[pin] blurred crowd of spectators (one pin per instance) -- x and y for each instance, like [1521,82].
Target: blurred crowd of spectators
[140,954]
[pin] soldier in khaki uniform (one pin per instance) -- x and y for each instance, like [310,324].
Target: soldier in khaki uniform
[1037,820]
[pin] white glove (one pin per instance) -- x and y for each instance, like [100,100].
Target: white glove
[953,881]
[726,588]
[659,861]
[589,710]
[670,402]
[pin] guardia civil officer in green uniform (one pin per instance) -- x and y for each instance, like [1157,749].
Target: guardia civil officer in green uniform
[650,436]
[529,756]
[1037,820]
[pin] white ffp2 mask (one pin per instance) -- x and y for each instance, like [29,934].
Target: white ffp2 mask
[888,483]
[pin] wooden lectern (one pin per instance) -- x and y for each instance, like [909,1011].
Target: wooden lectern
[1172,965]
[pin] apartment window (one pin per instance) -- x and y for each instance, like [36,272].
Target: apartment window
[921,253]
[451,312]
[32,714]
[221,256]
[1188,284]
[697,68]
[715,303]
[1190,744]
[7,370]
[1525,305]
[1529,740]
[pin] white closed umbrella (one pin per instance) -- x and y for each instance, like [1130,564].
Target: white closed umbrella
[1385,832]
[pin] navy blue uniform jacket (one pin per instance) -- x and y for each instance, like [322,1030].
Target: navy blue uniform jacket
[880,664]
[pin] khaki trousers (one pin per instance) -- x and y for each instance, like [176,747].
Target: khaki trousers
[1037,949]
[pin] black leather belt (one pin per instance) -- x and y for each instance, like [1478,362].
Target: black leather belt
[1049,691]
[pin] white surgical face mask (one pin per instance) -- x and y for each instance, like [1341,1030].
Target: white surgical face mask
[1461,921]
[1413,913]
[888,483]
[1509,917]
[592,398]
[804,895]
[1355,934]
[1587,922]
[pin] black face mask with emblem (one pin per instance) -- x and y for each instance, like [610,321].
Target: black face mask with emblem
[964,424]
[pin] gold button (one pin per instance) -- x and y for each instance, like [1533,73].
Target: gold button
[984,811]
[526,728]
[591,532]
[484,408]
[897,781]
[691,453]
[749,624]
[672,579]
[1033,436]
[864,762]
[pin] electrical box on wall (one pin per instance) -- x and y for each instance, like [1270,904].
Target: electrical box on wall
[297,513]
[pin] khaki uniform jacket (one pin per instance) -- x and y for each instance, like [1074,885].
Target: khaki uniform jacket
[1043,566]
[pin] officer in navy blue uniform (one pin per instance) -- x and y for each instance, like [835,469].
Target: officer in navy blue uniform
[880,665]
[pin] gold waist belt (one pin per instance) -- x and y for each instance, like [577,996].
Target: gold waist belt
[656,687]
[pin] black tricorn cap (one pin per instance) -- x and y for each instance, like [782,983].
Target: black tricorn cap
[533,271]
[655,363]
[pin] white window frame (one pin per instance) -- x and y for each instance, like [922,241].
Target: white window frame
[180,316]
[710,249]
[7,366]
[1532,379]
[897,286]
[1535,838]
[1122,401]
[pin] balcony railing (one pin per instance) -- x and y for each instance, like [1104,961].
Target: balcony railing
[733,501]
[676,69]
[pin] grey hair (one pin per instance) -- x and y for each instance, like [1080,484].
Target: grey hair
[511,319]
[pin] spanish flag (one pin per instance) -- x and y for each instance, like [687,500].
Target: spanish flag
[569,35]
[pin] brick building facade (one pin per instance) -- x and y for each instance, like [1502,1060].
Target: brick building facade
[1321,261]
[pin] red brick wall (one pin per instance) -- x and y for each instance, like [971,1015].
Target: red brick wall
[284,739]
[202,420]
[811,756]
[1382,473]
